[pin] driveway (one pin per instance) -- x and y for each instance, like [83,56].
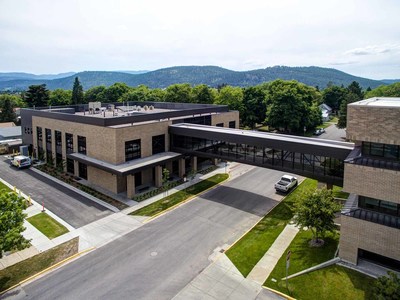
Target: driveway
[333,133]
[73,208]
[159,259]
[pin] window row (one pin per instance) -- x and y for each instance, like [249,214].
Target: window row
[381,206]
[381,150]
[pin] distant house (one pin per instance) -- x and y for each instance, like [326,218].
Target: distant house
[326,112]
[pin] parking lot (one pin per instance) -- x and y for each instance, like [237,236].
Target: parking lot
[73,208]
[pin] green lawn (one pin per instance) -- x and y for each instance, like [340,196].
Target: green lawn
[29,267]
[4,187]
[251,248]
[169,201]
[338,193]
[334,282]
[47,225]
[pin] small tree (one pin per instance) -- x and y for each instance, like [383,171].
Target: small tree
[11,222]
[387,287]
[7,113]
[316,210]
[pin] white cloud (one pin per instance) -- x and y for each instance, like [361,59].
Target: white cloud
[57,36]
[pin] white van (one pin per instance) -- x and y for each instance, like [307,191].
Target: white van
[21,161]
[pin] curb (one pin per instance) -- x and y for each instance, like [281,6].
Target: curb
[76,190]
[47,270]
[278,293]
[183,202]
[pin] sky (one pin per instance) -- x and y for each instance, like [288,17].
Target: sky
[55,36]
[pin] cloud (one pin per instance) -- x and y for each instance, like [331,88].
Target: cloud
[373,50]
[343,63]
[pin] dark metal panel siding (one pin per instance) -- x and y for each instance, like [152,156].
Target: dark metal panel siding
[26,121]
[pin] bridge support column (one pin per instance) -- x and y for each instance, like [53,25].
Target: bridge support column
[215,161]
[194,164]
[181,167]
[130,185]
[158,176]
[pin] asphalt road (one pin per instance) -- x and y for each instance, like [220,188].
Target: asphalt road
[73,208]
[333,133]
[160,258]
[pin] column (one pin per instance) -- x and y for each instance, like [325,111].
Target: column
[181,167]
[158,176]
[76,168]
[194,164]
[130,185]
[215,161]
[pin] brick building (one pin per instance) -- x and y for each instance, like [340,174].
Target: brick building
[371,219]
[120,148]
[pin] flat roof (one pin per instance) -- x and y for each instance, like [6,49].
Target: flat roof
[378,102]
[128,167]
[9,132]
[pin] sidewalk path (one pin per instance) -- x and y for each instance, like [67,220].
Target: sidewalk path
[267,263]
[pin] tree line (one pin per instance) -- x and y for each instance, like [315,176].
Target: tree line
[288,106]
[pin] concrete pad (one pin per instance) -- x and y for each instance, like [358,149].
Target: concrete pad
[220,291]
[27,253]
[190,292]
[231,280]
[214,272]
[203,282]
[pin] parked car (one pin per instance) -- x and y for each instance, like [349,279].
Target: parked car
[319,131]
[286,183]
[21,161]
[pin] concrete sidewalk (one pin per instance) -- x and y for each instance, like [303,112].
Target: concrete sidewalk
[267,263]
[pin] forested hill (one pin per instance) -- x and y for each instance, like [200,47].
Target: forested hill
[209,75]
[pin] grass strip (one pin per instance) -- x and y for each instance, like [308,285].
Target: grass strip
[171,200]
[47,225]
[4,187]
[251,248]
[334,282]
[20,271]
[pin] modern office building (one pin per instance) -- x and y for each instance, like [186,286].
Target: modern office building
[119,148]
[370,222]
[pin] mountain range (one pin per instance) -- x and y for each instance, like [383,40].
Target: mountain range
[210,75]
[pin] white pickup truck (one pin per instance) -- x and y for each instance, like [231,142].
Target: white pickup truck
[286,183]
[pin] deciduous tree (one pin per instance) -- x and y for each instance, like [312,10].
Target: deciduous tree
[11,222]
[254,106]
[178,93]
[60,97]
[316,211]
[387,287]
[7,113]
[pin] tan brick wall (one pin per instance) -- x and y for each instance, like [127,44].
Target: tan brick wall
[225,118]
[373,124]
[100,141]
[372,182]
[359,234]
[145,133]
[102,178]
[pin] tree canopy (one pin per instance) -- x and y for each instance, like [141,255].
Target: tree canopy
[77,92]
[7,113]
[333,96]
[37,95]
[11,222]
[254,106]
[60,97]
[391,90]
[291,106]
[387,287]
[316,211]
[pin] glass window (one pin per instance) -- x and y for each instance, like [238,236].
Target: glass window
[58,137]
[158,143]
[392,151]
[376,149]
[39,134]
[48,136]
[132,150]
[70,166]
[81,144]
[69,140]
[220,125]
[232,124]
[82,170]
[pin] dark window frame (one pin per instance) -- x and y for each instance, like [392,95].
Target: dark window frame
[133,149]
[158,144]
[82,144]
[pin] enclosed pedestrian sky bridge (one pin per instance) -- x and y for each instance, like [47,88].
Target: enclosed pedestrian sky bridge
[315,158]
